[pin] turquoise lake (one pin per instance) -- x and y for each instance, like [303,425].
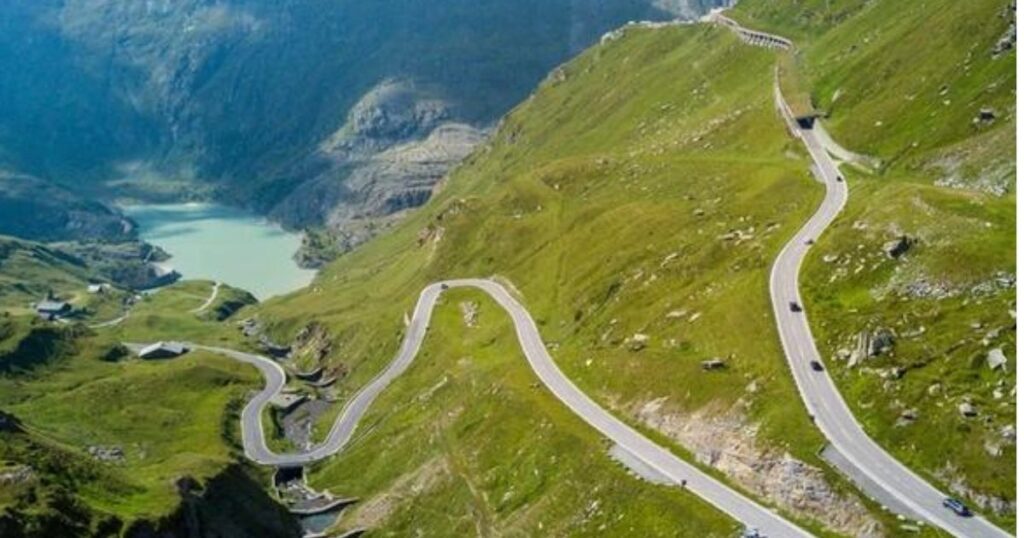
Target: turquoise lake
[215,242]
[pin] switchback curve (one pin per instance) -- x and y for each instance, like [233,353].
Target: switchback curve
[657,457]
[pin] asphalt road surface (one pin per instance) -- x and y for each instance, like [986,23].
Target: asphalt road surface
[743,509]
[820,395]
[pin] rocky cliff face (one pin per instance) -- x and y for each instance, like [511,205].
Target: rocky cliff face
[396,144]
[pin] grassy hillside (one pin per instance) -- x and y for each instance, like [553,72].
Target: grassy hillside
[907,83]
[170,314]
[635,203]
[107,438]
[167,417]
[432,461]
[29,270]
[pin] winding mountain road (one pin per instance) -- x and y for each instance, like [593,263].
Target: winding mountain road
[820,395]
[636,444]
[817,390]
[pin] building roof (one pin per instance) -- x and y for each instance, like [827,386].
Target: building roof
[52,306]
[176,348]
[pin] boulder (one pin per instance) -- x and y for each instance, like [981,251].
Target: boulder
[637,342]
[996,359]
[15,475]
[907,417]
[897,247]
[882,341]
[895,373]
[860,352]
[713,364]
[985,115]
[967,410]
[1006,42]
[109,454]
[470,312]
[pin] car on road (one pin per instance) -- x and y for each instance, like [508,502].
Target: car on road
[751,532]
[839,179]
[794,307]
[444,286]
[957,507]
[809,241]
[817,367]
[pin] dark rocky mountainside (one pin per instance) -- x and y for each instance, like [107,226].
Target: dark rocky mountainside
[313,111]
[42,210]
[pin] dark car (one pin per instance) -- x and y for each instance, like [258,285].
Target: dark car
[444,286]
[957,507]
[817,367]
[839,179]
[809,241]
[793,307]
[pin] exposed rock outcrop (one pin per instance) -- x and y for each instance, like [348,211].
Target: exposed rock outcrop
[994,503]
[1007,41]
[868,344]
[897,247]
[724,440]
[312,342]
[397,144]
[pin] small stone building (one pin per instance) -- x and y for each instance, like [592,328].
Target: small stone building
[163,350]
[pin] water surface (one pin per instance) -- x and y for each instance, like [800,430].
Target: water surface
[215,242]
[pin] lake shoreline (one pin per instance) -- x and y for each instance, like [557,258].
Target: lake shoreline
[216,242]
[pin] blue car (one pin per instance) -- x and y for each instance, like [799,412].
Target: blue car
[957,507]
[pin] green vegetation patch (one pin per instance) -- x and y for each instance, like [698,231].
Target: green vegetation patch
[166,419]
[922,261]
[635,204]
[429,459]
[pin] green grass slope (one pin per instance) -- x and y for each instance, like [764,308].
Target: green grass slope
[168,418]
[73,389]
[905,82]
[29,270]
[432,461]
[635,203]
